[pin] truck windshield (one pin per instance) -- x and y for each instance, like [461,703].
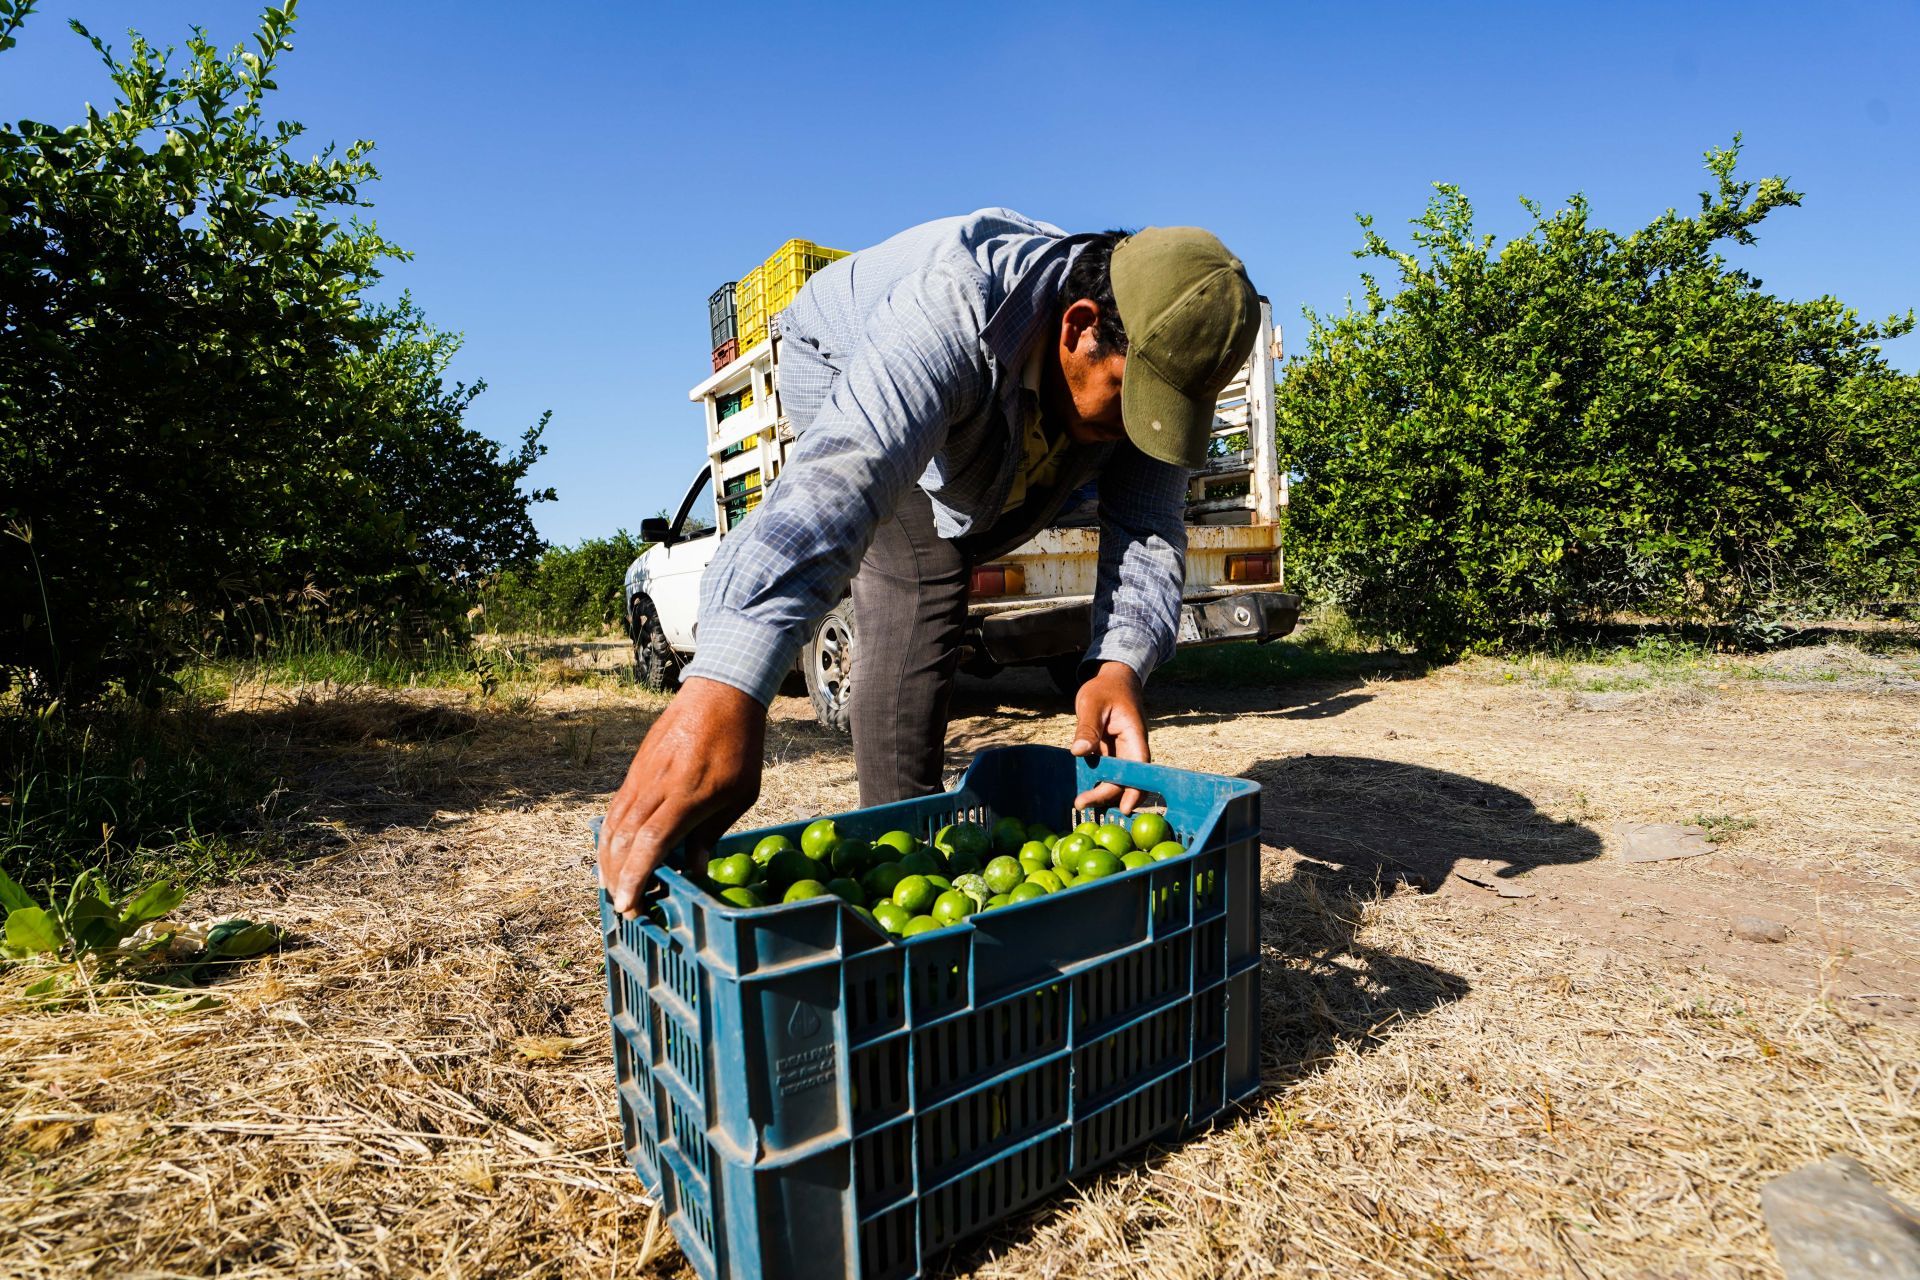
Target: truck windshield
[691,520]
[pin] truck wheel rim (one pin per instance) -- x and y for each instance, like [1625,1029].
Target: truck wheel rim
[835,659]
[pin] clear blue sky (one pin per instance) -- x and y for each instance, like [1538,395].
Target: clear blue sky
[575,178]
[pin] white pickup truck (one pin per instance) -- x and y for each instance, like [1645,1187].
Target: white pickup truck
[1031,607]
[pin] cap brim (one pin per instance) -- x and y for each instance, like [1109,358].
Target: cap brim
[1162,422]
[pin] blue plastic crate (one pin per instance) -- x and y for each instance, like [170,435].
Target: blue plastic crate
[805,1096]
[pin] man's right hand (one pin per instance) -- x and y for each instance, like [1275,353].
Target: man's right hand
[696,772]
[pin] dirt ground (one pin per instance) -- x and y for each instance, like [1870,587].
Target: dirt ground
[1590,1080]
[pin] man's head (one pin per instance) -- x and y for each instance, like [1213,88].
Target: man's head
[1179,307]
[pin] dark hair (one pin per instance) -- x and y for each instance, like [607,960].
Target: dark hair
[1091,277]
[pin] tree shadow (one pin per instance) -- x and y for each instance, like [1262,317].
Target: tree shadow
[1013,700]
[1370,821]
[363,760]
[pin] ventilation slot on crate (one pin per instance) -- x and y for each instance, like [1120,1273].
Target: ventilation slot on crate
[964,1132]
[678,972]
[1209,885]
[689,1136]
[698,1220]
[1208,1091]
[676,1047]
[1209,1020]
[937,971]
[879,1082]
[981,1199]
[886,1246]
[630,996]
[882,1168]
[1169,900]
[1209,953]
[1146,1048]
[1129,986]
[1153,1111]
[875,1003]
[949,1057]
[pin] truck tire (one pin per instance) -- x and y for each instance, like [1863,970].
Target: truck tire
[655,664]
[827,663]
[1064,671]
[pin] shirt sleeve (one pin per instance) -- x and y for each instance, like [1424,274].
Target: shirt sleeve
[1143,558]
[918,371]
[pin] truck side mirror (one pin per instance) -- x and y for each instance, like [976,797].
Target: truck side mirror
[656,529]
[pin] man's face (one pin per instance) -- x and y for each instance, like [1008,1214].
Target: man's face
[1081,385]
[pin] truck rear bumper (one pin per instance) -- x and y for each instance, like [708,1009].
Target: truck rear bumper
[1035,635]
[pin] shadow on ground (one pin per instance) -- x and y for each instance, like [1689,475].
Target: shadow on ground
[1322,990]
[366,760]
[1364,821]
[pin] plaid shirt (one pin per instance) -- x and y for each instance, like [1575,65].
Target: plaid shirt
[902,365]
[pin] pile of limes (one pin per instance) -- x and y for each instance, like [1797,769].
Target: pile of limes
[909,887]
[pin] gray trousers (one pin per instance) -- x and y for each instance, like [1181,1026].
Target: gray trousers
[909,613]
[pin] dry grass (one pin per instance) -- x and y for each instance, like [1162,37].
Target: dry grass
[421,1084]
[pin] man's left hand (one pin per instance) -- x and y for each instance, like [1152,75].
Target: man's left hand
[1111,722]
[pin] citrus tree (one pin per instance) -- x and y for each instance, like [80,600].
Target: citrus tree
[1583,422]
[201,415]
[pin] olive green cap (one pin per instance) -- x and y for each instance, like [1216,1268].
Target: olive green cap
[1191,317]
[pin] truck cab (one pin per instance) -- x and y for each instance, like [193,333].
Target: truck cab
[1031,607]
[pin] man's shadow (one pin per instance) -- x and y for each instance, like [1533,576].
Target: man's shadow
[1360,822]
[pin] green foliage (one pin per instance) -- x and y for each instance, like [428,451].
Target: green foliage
[133,791]
[1585,423]
[86,922]
[202,424]
[578,590]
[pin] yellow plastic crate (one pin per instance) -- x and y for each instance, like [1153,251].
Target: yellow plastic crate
[750,301]
[790,267]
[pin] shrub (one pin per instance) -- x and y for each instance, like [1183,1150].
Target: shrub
[1587,422]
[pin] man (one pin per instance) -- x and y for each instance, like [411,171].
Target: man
[950,388]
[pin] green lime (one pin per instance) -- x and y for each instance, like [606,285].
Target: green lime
[964,838]
[733,870]
[952,907]
[891,916]
[1166,849]
[1097,865]
[817,840]
[1027,891]
[1034,856]
[920,862]
[847,890]
[1008,834]
[1048,881]
[1050,840]
[741,897]
[789,865]
[1150,829]
[849,856]
[768,846]
[1003,873]
[915,894]
[1067,854]
[895,844]
[1114,839]
[919,925]
[997,900]
[1087,828]
[804,889]
[1067,878]
[940,882]
[1136,858]
[880,881]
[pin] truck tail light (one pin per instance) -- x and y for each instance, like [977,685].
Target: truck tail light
[998,580]
[1250,566]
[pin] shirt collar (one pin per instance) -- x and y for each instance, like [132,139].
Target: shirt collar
[1010,331]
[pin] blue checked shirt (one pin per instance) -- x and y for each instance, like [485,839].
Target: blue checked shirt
[901,365]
